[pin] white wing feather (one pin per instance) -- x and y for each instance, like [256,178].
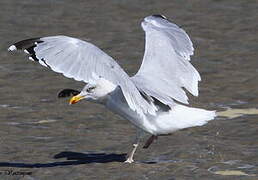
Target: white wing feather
[81,60]
[166,69]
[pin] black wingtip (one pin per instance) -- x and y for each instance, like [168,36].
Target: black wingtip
[159,16]
[28,46]
[67,93]
[27,43]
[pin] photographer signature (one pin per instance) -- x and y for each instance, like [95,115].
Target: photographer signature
[11,172]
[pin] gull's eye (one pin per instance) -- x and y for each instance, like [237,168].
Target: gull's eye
[90,89]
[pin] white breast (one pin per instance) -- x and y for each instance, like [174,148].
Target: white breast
[117,104]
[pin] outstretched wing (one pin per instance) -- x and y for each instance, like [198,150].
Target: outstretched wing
[166,69]
[82,61]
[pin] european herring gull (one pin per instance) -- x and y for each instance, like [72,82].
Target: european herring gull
[152,99]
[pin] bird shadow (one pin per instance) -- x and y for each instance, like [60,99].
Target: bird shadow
[72,158]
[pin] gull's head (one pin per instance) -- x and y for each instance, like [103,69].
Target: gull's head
[94,91]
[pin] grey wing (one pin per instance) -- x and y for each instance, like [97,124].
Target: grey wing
[166,69]
[82,61]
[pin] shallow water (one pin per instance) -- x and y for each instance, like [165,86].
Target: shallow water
[45,136]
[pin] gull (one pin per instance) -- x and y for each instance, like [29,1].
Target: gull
[153,100]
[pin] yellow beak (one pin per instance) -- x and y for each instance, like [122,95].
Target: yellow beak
[75,99]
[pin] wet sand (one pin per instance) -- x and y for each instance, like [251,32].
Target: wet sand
[46,138]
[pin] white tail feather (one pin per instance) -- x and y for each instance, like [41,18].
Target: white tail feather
[180,117]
